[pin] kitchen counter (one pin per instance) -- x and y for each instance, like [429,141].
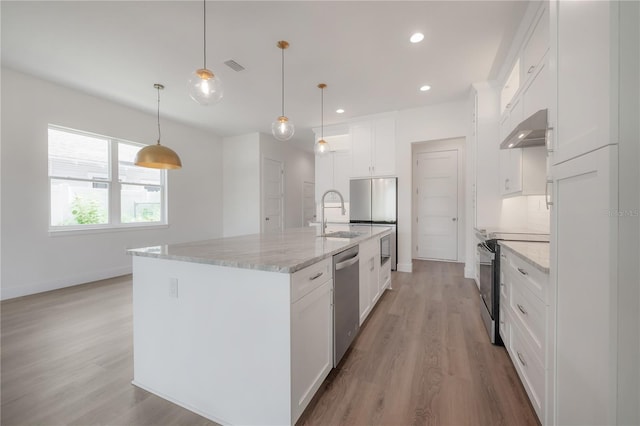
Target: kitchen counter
[534,253]
[240,329]
[286,252]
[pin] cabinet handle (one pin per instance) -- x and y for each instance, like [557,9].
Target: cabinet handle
[372,264]
[549,139]
[522,309]
[316,276]
[506,184]
[522,271]
[531,68]
[547,196]
[521,358]
[508,106]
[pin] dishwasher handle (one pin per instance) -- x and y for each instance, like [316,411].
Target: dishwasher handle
[346,263]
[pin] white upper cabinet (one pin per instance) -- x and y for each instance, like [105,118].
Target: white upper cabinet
[510,88]
[584,69]
[536,45]
[526,89]
[523,171]
[373,147]
[361,149]
[536,94]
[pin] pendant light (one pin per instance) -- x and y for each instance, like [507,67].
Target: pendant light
[158,156]
[282,128]
[321,147]
[204,86]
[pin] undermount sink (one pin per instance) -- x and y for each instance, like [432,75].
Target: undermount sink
[342,234]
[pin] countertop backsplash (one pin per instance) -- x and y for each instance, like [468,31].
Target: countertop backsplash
[525,212]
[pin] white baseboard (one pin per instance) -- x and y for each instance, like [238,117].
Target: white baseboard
[405,267]
[19,291]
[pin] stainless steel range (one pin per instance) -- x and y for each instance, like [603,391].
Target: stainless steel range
[489,267]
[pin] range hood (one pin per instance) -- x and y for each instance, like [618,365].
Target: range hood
[531,132]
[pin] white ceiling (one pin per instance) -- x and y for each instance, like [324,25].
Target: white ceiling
[119,49]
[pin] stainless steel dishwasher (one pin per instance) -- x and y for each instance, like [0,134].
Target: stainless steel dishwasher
[346,301]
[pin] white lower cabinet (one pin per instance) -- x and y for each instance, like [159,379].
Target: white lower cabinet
[370,289]
[311,345]
[524,317]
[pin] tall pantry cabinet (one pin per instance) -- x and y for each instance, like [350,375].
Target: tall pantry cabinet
[591,120]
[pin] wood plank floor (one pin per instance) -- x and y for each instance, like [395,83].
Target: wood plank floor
[422,358]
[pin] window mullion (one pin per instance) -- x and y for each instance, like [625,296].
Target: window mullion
[115,187]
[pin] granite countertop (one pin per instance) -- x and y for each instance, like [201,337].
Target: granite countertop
[286,252]
[534,253]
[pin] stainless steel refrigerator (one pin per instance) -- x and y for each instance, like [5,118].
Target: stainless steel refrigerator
[375,202]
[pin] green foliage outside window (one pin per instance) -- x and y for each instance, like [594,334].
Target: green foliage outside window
[87,212]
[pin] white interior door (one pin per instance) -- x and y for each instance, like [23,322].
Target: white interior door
[436,189]
[272,195]
[308,203]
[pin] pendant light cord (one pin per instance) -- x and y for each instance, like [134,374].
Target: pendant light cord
[158,115]
[282,81]
[322,113]
[204,24]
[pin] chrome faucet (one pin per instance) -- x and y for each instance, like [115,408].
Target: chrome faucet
[323,221]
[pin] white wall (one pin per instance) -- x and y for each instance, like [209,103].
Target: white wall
[443,121]
[299,167]
[241,185]
[242,176]
[33,261]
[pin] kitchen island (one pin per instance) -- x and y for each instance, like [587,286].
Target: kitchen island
[238,329]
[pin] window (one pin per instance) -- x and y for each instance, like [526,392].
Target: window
[94,183]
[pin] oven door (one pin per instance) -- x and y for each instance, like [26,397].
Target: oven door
[486,257]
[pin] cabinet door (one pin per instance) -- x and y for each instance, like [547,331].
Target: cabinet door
[515,115]
[504,126]
[365,253]
[374,271]
[584,49]
[311,345]
[384,148]
[361,150]
[583,276]
[510,171]
[537,93]
[537,45]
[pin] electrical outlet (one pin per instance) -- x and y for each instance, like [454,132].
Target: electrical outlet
[173,288]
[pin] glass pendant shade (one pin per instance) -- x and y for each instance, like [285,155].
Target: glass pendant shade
[321,147]
[204,87]
[282,128]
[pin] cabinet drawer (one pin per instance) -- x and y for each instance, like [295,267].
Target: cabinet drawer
[529,312]
[306,280]
[529,369]
[528,275]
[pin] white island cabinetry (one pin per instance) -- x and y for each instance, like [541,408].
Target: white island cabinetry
[238,330]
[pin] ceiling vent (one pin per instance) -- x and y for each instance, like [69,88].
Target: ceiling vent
[234,65]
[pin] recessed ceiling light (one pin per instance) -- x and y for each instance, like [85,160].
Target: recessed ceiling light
[425,88]
[416,38]
[521,135]
[339,110]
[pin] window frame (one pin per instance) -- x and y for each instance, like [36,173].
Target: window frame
[114,192]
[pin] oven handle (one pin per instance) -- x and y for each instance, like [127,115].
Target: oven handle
[487,251]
